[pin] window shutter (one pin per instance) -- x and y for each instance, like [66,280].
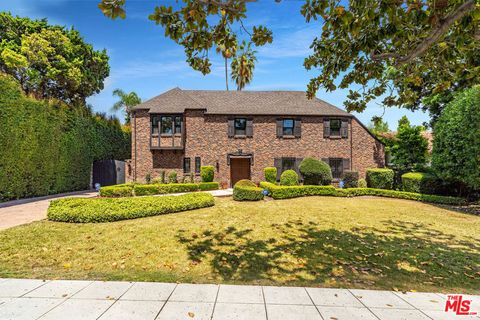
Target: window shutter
[231,128]
[344,129]
[279,128]
[297,167]
[346,165]
[277,163]
[249,128]
[326,128]
[298,128]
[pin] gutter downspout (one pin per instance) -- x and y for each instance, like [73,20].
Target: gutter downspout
[351,144]
[135,146]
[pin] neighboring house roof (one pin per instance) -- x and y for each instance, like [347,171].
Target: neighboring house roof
[240,102]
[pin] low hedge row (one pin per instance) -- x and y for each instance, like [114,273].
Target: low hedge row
[283,192]
[128,190]
[84,210]
[246,190]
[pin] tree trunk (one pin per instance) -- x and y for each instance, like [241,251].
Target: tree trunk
[226,73]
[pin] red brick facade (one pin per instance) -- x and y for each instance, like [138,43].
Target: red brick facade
[206,136]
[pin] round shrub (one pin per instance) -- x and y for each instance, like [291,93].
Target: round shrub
[420,182]
[270,174]
[207,173]
[380,178]
[245,183]
[172,177]
[315,172]
[246,190]
[350,179]
[289,178]
[362,183]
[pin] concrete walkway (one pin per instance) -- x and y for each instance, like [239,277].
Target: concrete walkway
[89,300]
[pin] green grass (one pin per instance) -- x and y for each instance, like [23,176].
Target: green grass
[363,242]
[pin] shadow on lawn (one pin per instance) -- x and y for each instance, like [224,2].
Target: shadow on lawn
[405,255]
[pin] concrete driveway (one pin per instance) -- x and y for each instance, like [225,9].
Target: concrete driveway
[18,212]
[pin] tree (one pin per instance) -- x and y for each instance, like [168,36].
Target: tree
[410,148]
[456,143]
[126,103]
[378,126]
[243,65]
[50,61]
[413,54]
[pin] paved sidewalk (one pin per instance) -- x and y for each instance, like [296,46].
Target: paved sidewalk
[17,212]
[85,300]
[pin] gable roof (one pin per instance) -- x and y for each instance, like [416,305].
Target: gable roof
[240,103]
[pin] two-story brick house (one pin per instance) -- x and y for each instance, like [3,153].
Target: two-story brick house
[242,132]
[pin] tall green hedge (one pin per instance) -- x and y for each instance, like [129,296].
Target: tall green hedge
[49,147]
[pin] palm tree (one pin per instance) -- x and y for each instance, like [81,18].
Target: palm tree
[226,54]
[126,103]
[243,65]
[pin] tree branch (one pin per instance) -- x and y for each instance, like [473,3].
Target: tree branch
[434,36]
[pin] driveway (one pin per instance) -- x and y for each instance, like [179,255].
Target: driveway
[18,212]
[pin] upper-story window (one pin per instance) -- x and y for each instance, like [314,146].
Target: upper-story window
[240,126]
[166,125]
[288,127]
[335,128]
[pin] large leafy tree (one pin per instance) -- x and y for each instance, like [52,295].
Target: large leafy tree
[243,65]
[126,102]
[50,61]
[410,53]
[410,148]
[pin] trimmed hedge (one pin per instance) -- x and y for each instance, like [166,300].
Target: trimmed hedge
[315,172]
[84,210]
[289,178]
[380,178]
[270,174]
[128,190]
[207,173]
[350,179]
[362,183]
[246,190]
[286,192]
[420,182]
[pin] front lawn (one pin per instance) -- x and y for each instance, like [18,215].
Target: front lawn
[364,242]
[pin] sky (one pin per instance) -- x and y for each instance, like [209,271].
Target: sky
[144,61]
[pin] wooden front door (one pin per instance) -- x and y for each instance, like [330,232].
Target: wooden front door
[239,169]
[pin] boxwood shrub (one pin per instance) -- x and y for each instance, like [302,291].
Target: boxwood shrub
[350,179]
[204,186]
[270,174]
[362,183]
[207,173]
[289,178]
[83,210]
[119,190]
[285,192]
[315,172]
[420,182]
[246,190]
[380,178]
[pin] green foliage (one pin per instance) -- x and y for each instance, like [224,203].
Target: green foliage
[172,177]
[380,178]
[420,182]
[315,172]
[148,178]
[207,173]
[246,190]
[382,48]
[286,192]
[204,186]
[243,65]
[126,103]
[119,190]
[350,179]
[362,183]
[270,174]
[456,147]
[83,210]
[48,147]
[410,148]
[289,178]
[50,61]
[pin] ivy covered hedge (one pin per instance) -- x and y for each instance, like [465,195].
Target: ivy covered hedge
[49,147]
[128,190]
[285,192]
[84,210]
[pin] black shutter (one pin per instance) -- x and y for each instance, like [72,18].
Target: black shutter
[326,128]
[277,163]
[279,128]
[346,165]
[344,129]
[231,128]
[249,131]
[297,167]
[298,128]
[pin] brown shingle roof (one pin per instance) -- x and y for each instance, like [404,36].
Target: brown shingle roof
[240,102]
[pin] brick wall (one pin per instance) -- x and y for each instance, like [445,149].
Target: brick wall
[207,137]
